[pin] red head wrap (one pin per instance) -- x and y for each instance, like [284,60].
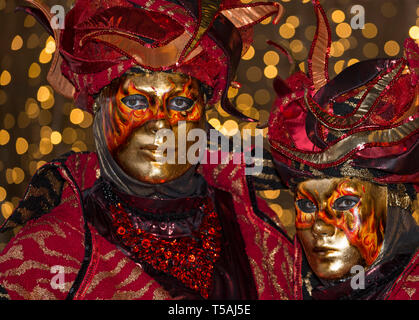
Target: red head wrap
[102,39]
[364,122]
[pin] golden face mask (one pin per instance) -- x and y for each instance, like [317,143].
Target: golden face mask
[340,223]
[138,107]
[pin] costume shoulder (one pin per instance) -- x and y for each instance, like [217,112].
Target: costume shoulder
[51,241]
[45,191]
[406,286]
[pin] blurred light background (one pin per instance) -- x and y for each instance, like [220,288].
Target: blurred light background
[37,125]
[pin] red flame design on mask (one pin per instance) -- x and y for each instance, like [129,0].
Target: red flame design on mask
[359,223]
[120,121]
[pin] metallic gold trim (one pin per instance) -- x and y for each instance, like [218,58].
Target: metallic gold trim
[244,16]
[358,140]
[55,78]
[164,56]
[399,198]
[345,123]
[320,50]
[209,10]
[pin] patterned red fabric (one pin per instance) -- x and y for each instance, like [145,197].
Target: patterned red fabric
[406,287]
[57,238]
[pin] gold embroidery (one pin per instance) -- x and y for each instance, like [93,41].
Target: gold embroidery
[15,252]
[135,273]
[161,294]
[131,295]
[260,284]
[100,276]
[38,293]
[25,266]
[409,291]
[40,236]
[307,282]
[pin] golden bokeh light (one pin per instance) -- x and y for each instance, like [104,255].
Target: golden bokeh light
[271,194]
[17,43]
[45,146]
[32,108]
[339,66]
[21,145]
[388,9]
[352,61]
[370,50]
[287,30]
[294,21]
[254,74]
[392,48]
[232,92]
[4,137]
[414,32]
[270,72]
[343,30]
[262,96]
[231,127]
[7,209]
[76,116]
[87,120]
[34,70]
[5,78]
[44,56]
[29,21]
[296,45]
[50,45]
[56,137]
[271,58]
[79,146]
[215,123]
[3,194]
[43,94]
[370,30]
[338,16]
[250,53]
[337,49]
[244,101]
[18,175]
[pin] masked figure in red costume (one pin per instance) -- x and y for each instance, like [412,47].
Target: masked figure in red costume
[348,147]
[117,224]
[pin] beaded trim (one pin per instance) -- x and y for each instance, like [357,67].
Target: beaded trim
[189,259]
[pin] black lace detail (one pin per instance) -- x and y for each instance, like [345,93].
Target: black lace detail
[42,195]
[4,295]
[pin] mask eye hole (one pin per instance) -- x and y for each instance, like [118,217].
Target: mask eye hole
[345,203]
[180,103]
[135,101]
[306,205]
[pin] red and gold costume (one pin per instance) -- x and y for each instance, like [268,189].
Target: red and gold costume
[362,125]
[202,236]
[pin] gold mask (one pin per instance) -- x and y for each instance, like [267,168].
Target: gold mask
[340,223]
[139,106]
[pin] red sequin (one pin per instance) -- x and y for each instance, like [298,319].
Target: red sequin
[189,259]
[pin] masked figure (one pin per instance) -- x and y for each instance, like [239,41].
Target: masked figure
[348,148]
[118,223]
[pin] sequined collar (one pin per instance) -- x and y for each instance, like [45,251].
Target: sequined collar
[166,218]
[181,237]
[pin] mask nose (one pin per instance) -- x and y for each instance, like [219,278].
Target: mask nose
[322,229]
[155,125]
